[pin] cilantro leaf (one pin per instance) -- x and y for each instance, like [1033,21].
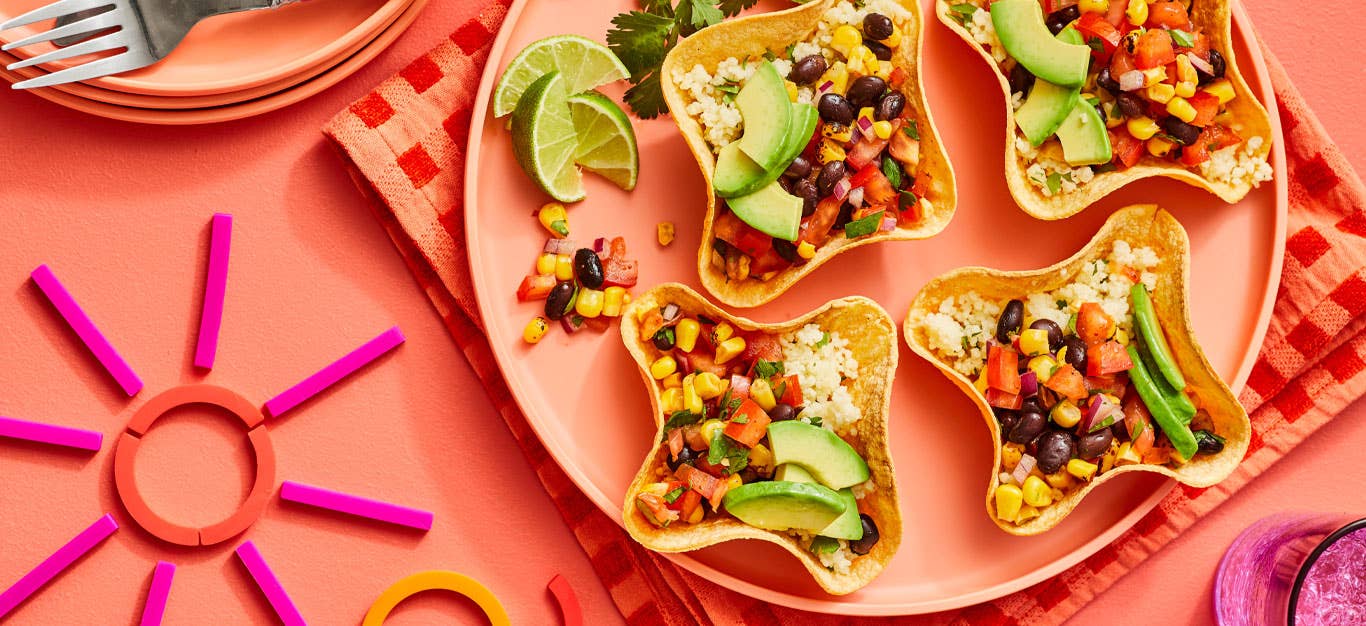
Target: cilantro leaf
[825,339]
[723,453]
[1054,182]
[694,15]
[646,97]
[673,496]
[892,171]
[1182,38]
[678,420]
[912,129]
[640,40]
[732,7]
[863,226]
[767,369]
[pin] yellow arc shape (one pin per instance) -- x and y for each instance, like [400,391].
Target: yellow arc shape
[431,581]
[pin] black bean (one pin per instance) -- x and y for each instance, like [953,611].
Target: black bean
[1218,64]
[1076,353]
[877,26]
[1055,449]
[845,216]
[1008,420]
[865,91]
[1054,332]
[835,109]
[798,168]
[1059,19]
[1184,134]
[806,190]
[1208,442]
[664,339]
[879,50]
[1130,104]
[1032,404]
[786,183]
[560,300]
[686,457]
[1008,326]
[890,107]
[831,173]
[1092,445]
[870,536]
[1020,79]
[807,70]
[1030,424]
[787,250]
[782,412]
[1120,431]
[1107,81]
[588,268]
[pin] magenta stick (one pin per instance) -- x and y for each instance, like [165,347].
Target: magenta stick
[55,564]
[86,330]
[270,585]
[355,505]
[328,376]
[155,607]
[50,434]
[215,288]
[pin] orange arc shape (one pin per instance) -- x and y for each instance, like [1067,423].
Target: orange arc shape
[256,501]
[430,581]
[133,502]
[195,394]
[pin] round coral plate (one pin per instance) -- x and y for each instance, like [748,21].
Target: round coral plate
[585,400]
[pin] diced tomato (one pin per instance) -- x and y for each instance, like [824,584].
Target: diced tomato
[1154,49]
[1107,358]
[1168,15]
[705,361]
[652,507]
[1121,63]
[1214,137]
[816,228]
[1094,325]
[704,482]
[619,271]
[896,78]
[876,188]
[905,150]
[718,493]
[1206,107]
[1199,46]
[865,152]
[1115,15]
[761,346]
[676,442]
[650,323]
[535,287]
[814,145]
[1094,28]
[1003,369]
[769,261]
[791,391]
[741,236]
[739,386]
[1068,382]
[1139,423]
[1131,273]
[1003,400]
[597,324]
[922,184]
[1114,384]
[687,503]
[748,424]
[692,435]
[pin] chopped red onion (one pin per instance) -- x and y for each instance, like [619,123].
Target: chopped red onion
[1029,384]
[855,198]
[1131,80]
[825,87]
[560,246]
[1022,470]
[671,313]
[1097,413]
[841,189]
[599,244]
[1200,64]
[888,223]
[568,324]
[864,124]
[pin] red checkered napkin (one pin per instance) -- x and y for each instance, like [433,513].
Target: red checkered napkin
[404,144]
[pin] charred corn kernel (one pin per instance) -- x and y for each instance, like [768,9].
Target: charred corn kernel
[845,39]
[1185,72]
[1181,109]
[663,367]
[672,399]
[709,385]
[893,40]
[658,489]
[981,383]
[733,481]
[1159,147]
[1034,341]
[762,394]
[1221,89]
[1042,366]
[1011,453]
[1059,480]
[589,303]
[1008,501]
[1142,128]
[612,301]
[866,113]
[1137,12]
[837,76]
[710,428]
[685,334]
[791,90]
[1026,513]
[1154,76]
[1126,455]
[691,401]
[729,349]
[838,132]
[673,381]
[1084,470]
[664,232]
[554,219]
[697,514]
[1037,492]
[882,129]
[545,264]
[830,152]
[805,250]
[535,329]
[721,332]
[1161,92]
[1094,6]
[760,456]
[1065,414]
[564,267]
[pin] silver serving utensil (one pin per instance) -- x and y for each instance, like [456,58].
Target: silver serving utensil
[146,31]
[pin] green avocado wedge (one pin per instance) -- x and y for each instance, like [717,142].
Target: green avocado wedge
[847,525]
[770,210]
[1047,104]
[738,175]
[829,459]
[1085,140]
[767,112]
[1020,26]
[782,505]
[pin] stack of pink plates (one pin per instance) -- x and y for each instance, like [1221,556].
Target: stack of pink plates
[230,66]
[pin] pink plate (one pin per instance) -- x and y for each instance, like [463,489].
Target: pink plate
[238,51]
[585,401]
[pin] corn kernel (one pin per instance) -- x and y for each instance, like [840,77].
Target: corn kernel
[1026,513]
[1011,453]
[883,129]
[657,489]
[791,90]
[830,152]
[1161,92]
[1127,455]
[664,232]
[709,385]
[845,39]
[1084,470]
[893,40]
[1034,341]
[733,482]
[981,383]
[697,513]
[672,399]
[805,250]
[1058,494]
[1120,335]
[673,381]
[760,456]
[1185,89]
[691,401]
[1137,12]
[564,267]
[859,57]
[1059,480]
[838,132]
[721,332]
[1113,116]
[1066,414]
[1094,6]
[663,367]
[1221,89]
[762,394]
[1154,75]
[535,329]
[545,264]
[1008,501]
[685,334]
[1142,128]
[729,349]
[1037,492]
[711,427]
[837,76]
[613,299]
[1042,366]
[1182,109]
[553,218]
[884,69]
[589,303]
[1185,72]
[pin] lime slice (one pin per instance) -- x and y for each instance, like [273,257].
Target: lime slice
[607,144]
[543,138]
[584,63]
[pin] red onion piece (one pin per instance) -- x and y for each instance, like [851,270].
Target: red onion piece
[855,198]
[841,189]
[1029,384]
[1200,64]
[671,313]
[825,87]
[1022,470]
[1097,413]
[1131,80]
[864,124]
[560,246]
[739,386]
[568,324]
[888,223]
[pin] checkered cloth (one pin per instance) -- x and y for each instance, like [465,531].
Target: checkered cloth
[404,144]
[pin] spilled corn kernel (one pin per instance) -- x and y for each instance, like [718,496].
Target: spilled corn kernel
[535,329]
[545,264]
[553,218]
[564,267]
[614,298]
[664,232]
[589,303]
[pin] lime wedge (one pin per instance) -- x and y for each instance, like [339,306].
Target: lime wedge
[584,63]
[543,138]
[607,144]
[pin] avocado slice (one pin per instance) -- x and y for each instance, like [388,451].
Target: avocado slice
[830,460]
[1047,104]
[847,525]
[780,505]
[738,175]
[767,112]
[1020,27]
[1083,136]
[770,210]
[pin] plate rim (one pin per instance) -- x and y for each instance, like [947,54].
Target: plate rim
[835,604]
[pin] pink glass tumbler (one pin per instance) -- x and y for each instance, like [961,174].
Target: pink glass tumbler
[1295,569]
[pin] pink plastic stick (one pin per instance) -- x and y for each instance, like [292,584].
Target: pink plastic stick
[155,608]
[50,434]
[355,505]
[55,564]
[328,376]
[211,318]
[270,585]
[86,330]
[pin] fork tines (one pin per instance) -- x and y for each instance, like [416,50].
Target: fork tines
[117,14]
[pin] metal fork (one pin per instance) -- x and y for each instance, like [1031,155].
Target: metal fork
[147,31]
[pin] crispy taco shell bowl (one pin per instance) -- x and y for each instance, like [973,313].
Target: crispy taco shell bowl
[871,334]
[753,36]
[1140,225]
